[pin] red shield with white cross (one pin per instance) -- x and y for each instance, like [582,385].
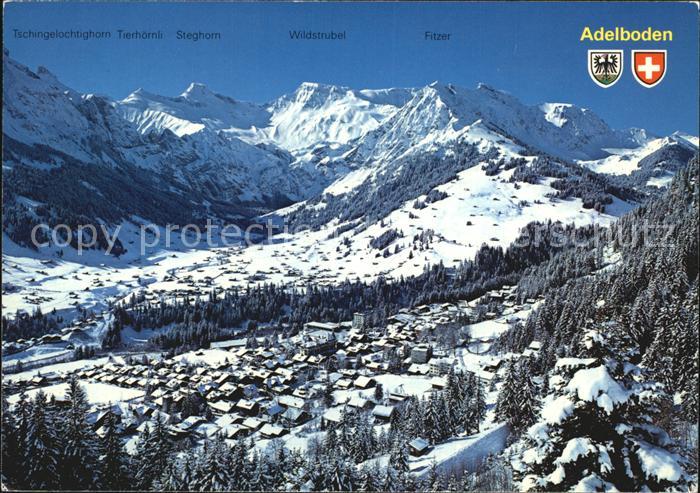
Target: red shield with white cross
[649,66]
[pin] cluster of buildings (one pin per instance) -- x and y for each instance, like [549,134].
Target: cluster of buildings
[237,389]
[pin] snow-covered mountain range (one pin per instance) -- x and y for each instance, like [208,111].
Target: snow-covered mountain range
[216,156]
[372,182]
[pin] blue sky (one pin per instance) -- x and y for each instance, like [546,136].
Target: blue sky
[531,50]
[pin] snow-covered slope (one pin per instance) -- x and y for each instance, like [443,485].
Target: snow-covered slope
[652,163]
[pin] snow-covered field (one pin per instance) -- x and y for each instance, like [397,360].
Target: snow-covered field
[97,393]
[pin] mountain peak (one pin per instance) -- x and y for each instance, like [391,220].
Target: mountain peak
[197,90]
[316,94]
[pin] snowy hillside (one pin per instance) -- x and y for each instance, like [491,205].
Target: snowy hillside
[652,164]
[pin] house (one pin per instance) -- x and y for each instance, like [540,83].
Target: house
[38,380]
[359,403]
[221,407]
[301,393]
[234,430]
[229,419]
[529,352]
[333,415]
[274,410]
[421,354]
[299,358]
[292,402]
[493,366]
[191,422]
[295,417]
[397,396]
[247,408]
[535,345]
[377,367]
[418,369]
[253,423]
[272,431]
[206,429]
[231,391]
[364,382]
[343,384]
[438,382]
[487,377]
[418,447]
[383,413]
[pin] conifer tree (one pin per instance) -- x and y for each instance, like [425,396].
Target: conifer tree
[79,469]
[214,474]
[597,428]
[507,405]
[113,459]
[11,450]
[42,448]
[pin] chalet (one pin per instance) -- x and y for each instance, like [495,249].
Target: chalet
[281,389]
[191,422]
[535,345]
[333,415]
[233,431]
[397,396]
[358,402]
[348,372]
[274,410]
[416,369]
[284,372]
[206,430]
[271,431]
[231,391]
[38,380]
[343,384]
[493,366]
[221,407]
[247,408]
[438,382]
[295,417]
[487,377]
[223,378]
[293,402]
[316,359]
[301,393]
[364,382]
[253,423]
[377,366]
[418,447]
[383,413]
